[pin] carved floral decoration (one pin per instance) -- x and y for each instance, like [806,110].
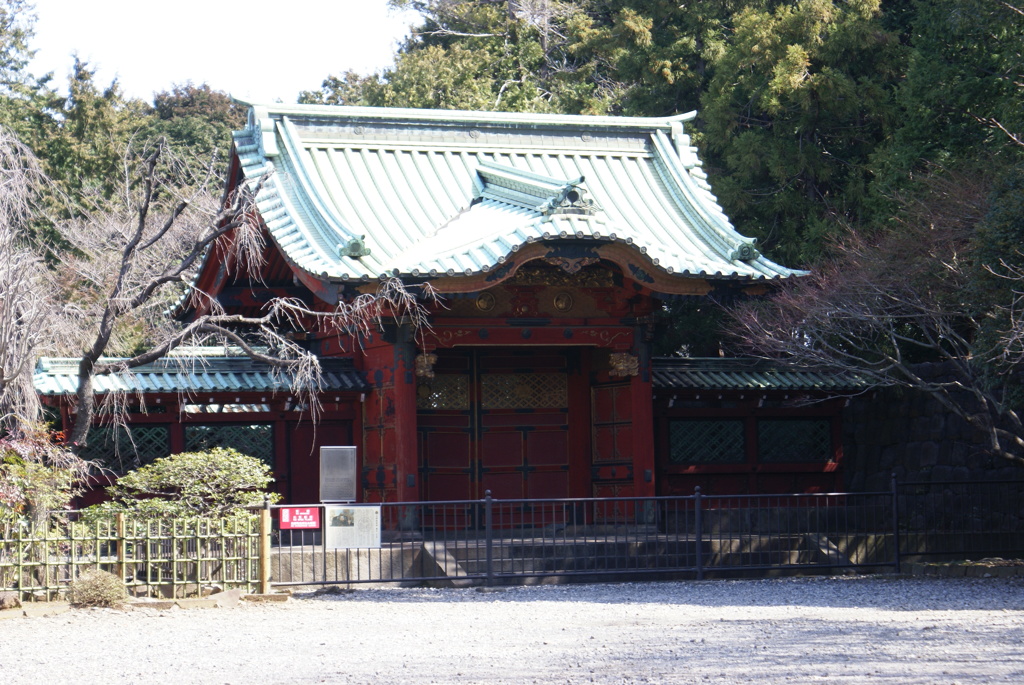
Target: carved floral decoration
[425,365]
[624,364]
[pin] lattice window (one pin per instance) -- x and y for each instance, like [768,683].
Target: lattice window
[443,392]
[794,440]
[256,439]
[706,441]
[123,450]
[524,390]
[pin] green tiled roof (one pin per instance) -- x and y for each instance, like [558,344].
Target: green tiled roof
[363,193]
[192,374]
[670,373]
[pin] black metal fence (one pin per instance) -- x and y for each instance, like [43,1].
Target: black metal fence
[520,541]
[493,541]
[947,520]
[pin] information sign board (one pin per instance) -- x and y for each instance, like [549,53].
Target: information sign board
[338,474]
[295,518]
[349,527]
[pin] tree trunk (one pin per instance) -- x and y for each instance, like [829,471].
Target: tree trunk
[85,404]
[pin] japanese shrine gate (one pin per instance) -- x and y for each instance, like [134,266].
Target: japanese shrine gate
[552,241]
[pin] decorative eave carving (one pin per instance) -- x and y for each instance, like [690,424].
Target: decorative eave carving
[624,364]
[425,364]
[580,274]
[634,265]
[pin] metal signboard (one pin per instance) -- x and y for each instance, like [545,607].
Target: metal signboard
[351,527]
[297,518]
[337,474]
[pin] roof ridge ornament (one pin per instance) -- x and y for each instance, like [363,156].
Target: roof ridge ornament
[686,152]
[355,248]
[745,251]
[530,190]
[569,201]
[265,132]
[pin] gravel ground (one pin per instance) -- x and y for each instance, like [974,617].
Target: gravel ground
[809,630]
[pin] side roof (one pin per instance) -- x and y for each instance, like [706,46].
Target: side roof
[673,373]
[198,373]
[360,193]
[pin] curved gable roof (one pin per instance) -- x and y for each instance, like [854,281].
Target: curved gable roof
[357,193]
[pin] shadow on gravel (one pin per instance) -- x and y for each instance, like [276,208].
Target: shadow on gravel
[880,592]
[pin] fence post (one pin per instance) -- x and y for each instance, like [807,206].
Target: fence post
[489,535]
[19,557]
[699,523]
[120,534]
[264,588]
[895,524]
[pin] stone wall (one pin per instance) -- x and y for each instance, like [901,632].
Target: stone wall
[910,434]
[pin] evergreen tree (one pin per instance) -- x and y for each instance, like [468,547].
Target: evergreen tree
[85,152]
[995,284]
[199,120]
[27,103]
[660,54]
[494,56]
[801,97]
[963,97]
[348,89]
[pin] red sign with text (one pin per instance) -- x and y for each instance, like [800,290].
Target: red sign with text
[295,517]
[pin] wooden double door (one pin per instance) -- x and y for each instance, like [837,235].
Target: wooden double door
[499,420]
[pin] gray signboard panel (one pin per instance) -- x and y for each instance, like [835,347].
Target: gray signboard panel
[337,474]
[353,527]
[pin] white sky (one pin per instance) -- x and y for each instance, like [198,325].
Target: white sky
[259,51]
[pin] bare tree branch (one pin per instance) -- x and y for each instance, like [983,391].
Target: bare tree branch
[1012,8]
[457,34]
[1015,138]
[881,305]
[26,296]
[132,262]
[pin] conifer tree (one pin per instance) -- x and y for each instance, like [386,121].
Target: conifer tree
[802,96]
